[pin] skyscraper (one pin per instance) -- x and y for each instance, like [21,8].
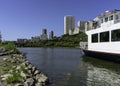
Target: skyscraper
[44,31]
[81,26]
[51,35]
[44,35]
[69,24]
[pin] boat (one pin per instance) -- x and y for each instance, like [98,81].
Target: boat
[103,36]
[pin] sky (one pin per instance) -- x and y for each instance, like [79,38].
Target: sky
[27,18]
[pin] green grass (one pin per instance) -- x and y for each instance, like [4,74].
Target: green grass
[14,78]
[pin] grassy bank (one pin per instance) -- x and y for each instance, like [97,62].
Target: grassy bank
[10,46]
[15,70]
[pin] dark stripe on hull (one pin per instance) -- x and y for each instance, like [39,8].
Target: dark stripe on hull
[103,55]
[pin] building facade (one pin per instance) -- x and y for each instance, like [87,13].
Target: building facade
[69,24]
[80,28]
[44,31]
[35,39]
[44,35]
[89,25]
[51,35]
[20,40]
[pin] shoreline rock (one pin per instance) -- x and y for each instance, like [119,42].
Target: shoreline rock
[23,71]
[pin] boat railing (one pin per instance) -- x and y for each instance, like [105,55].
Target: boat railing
[116,21]
[84,45]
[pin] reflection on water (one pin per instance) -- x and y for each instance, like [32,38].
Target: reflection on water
[102,73]
[102,77]
[67,67]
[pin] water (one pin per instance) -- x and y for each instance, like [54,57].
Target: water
[68,67]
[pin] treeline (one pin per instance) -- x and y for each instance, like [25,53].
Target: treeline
[63,41]
[8,46]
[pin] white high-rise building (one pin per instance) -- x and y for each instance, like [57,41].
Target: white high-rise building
[69,24]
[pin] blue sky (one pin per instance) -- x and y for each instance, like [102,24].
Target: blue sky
[26,18]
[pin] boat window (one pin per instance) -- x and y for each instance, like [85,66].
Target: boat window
[104,36]
[111,17]
[95,24]
[116,17]
[115,35]
[94,38]
[106,19]
[101,20]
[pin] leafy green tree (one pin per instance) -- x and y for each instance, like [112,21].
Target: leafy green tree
[63,41]
[11,46]
[1,44]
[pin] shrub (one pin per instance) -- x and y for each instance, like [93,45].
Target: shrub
[14,78]
[0,43]
[11,46]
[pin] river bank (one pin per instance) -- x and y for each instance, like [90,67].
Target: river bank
[15,70]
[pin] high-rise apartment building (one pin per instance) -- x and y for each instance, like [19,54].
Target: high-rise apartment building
[51,35]
[35,39]
[44,35]
[44,31]
[81,26]
[20,40]
[69,24]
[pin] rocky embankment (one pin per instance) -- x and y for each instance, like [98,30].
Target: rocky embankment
[15,70]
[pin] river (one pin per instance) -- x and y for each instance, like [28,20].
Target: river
[68,67]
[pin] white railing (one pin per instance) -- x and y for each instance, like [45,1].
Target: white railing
[84,45]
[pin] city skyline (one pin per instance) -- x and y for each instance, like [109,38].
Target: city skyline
[24,19]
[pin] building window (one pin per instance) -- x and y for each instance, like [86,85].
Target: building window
[104,36]
[94,38]
[111,17]
[106,19]
[115,35]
